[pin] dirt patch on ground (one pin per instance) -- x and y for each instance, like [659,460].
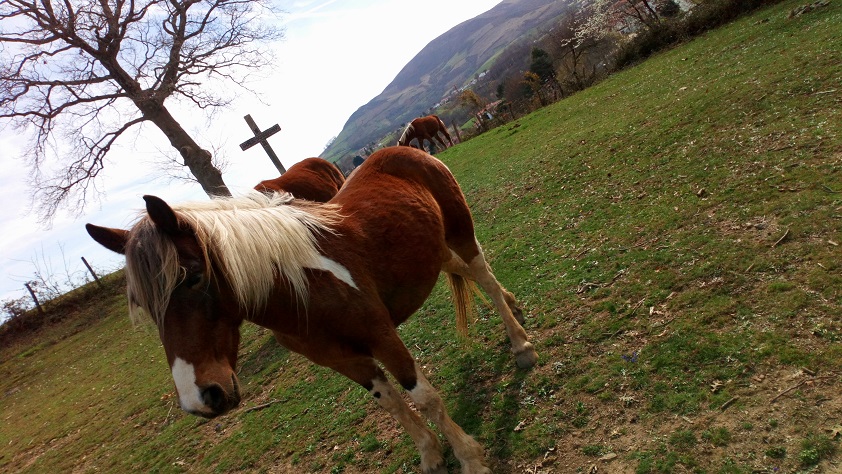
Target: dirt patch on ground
[763,426]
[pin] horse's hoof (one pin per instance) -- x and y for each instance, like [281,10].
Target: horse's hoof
[527,358]
[440,469]
[476,470]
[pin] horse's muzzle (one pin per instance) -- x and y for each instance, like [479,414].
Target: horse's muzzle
[217,400]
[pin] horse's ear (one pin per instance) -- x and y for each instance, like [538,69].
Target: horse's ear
[112,239]
[161,214]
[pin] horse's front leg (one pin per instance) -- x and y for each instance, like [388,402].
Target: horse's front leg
[365,371]
[465,447]
[399,362]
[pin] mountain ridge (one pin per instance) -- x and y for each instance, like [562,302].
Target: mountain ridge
[448,62]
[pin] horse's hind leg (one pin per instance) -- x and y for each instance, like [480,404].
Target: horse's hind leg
[478,270]
[441,142]
[458,267]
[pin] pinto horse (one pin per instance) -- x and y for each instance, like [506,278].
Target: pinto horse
[425,128]
[332,281]
[314,179]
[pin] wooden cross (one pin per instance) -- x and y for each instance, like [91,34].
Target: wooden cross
[260,137]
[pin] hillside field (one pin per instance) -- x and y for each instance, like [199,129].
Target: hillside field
[674,235]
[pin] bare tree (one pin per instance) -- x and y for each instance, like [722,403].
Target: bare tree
[48,280]
[643,11]
[596,20]
[580,50]
[82,73]
[607,16]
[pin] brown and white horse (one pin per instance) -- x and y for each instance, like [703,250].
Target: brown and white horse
[332,281]
[314,179]
[425,128]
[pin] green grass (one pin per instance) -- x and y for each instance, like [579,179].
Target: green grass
[651,304]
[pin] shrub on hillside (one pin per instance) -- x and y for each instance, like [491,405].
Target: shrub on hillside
[12,312]
[704,17]
[23,319]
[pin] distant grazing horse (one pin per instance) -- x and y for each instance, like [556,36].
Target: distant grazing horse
[425,128]
[332,281]
[314,179]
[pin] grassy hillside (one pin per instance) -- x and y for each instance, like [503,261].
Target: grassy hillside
[674,234]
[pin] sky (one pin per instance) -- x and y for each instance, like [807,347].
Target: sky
[336,56]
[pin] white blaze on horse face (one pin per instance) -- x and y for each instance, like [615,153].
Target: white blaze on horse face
[336,269]
[189,395]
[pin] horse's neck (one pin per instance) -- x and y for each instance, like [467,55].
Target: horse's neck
[281,312]
[326,279]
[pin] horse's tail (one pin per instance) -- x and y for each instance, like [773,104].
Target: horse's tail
[463,291]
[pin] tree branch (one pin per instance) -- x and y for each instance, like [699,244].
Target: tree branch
[72,71]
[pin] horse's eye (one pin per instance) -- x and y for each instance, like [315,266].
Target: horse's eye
[192,280]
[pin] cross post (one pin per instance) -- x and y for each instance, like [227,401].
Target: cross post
[261,137]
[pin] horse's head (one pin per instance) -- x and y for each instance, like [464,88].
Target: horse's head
[169,276]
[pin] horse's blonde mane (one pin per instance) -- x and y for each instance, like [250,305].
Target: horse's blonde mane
[251,240]
[402,140]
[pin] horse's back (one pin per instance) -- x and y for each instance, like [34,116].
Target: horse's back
[403,167]
[400,178]
[314,179]
[430,123]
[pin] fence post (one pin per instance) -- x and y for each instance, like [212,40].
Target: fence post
[96,279]
[34,298]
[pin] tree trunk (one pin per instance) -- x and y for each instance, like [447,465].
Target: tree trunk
[197,159]
[456,129]
[151,106]
[34,298]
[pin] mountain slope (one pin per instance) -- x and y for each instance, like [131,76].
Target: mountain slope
[447,63]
